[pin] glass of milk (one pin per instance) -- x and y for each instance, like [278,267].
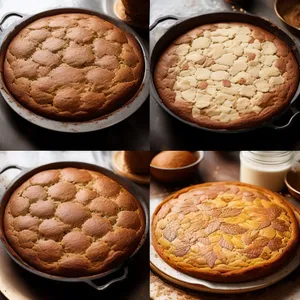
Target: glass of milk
[265,168]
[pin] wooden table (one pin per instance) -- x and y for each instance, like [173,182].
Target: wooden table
[224,166]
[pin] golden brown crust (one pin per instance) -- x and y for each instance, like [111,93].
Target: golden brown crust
[73,222]
[237,250]
[73,67]
[271,97]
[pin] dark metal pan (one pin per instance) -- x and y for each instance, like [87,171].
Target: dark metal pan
[100,123]
[183,25]
[27,173]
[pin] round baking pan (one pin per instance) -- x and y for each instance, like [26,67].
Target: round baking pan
[28,173]
[159,266]
[105,121]
[183,25]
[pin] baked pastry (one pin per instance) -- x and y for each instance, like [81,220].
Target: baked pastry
[73,67]
[225,231]
[73,222]
[173,159]
[138,162]
[227,76]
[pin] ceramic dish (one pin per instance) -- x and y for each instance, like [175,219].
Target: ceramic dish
[176,174]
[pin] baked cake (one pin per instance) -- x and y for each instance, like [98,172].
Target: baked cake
[173,159]
[227,76]
[73,67]
[225,231]
[73,222]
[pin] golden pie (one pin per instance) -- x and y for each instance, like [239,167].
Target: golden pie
[227,75]
[225,231]
[73,67]
[73,222]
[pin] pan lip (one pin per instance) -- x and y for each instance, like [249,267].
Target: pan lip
[102,122]
[182,20]
[26,173]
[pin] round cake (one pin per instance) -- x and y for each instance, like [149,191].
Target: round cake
[225,231]
[227,76]
[73,67]
[73,222]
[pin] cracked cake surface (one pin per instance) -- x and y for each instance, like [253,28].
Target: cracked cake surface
[73,67]
[73,222]
[225,232]
[227,75]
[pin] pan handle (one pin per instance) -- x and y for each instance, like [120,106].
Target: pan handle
[106,285]
[162,19]
[8,167]
[295,111]
[7,16]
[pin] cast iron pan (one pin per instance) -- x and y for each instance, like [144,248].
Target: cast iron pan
[96,124]
[28,173]
[183,25]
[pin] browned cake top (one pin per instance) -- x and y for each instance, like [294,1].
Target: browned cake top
[73,67]
[173,159]
[227,75]
[225,231]
[73,222]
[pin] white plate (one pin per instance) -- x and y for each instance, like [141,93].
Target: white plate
[169,273]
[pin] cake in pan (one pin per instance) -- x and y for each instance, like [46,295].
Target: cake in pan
[73,67]
[73,222]
[227,76]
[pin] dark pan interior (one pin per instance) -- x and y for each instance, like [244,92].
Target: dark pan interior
[187,24]
[129,186]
